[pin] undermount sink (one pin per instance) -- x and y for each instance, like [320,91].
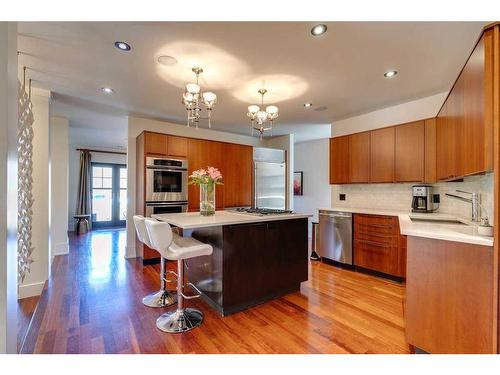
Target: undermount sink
[438,220]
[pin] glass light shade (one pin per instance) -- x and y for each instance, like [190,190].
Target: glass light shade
[188,98]
[272,109]
[209,98]
[253,109]
[193,88]
[261,116]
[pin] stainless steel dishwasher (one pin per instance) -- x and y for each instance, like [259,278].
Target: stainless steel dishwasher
[335,236]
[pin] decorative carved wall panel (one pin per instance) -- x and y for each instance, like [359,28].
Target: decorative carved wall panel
[25,183]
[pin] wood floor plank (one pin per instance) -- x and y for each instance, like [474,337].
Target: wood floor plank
[92,304]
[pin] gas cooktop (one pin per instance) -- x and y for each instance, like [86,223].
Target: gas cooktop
[261,211]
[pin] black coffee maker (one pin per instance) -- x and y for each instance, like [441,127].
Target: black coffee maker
[422,199]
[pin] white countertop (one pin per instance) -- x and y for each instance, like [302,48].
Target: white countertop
[193,220]
[440,231]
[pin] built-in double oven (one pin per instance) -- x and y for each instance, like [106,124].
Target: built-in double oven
[166,185]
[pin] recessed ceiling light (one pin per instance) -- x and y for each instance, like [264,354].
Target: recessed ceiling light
[307,105]
[122,46]
[107,90]
[390,73]
[167,60]
[318,29]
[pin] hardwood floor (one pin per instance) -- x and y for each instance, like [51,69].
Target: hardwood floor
[92,304]
[25,310]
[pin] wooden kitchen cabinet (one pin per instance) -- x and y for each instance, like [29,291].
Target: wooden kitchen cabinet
[450,298]
[155,143]
[464,124]
[177,146]
[359,157]
[237,173]
[430,151]
[378,244]
[382,155]
[201,154]
[409,152]
[339,160]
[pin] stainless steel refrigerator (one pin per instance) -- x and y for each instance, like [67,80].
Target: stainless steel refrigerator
[269,178]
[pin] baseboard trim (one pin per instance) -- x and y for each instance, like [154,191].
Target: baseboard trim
[30,290]
[61,248]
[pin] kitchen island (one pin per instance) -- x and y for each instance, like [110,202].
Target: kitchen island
[254,259]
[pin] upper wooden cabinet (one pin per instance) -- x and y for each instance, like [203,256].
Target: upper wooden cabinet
[177,146]
[430,151]
[155,143]
[409,154]
[165,145]
[339,160]
[464,124]
[402,153]
[359,157]
[382,155]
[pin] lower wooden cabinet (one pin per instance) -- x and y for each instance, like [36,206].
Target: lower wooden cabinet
[378,244]
[450,297]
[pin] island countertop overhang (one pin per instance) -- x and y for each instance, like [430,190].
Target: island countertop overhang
[193,220]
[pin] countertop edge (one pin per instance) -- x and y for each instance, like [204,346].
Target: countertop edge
[405,226]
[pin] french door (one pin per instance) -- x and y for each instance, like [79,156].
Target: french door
[109,195]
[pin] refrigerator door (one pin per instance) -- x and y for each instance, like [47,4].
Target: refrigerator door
[270,185]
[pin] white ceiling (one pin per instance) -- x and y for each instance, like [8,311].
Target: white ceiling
[341,70]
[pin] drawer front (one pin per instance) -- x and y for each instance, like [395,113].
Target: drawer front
[376,256]
[381,238]
[376,224]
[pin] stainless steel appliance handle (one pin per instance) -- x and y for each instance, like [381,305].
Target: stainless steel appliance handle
[170,169]
[335,215]
[166,204]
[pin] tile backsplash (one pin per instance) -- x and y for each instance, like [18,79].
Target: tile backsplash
[398,196]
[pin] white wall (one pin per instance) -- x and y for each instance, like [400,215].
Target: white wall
[40,267]
[8,187]
[59,145]
[287,143]
[411,111]
[136,126]
[74,170]
[312,158]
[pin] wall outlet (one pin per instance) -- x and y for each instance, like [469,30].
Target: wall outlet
[436,198]
[342,197]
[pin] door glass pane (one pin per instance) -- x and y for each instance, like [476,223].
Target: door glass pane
[96,171]
[102,203]
[123,173]
[107,172]
[107,183]
[97,183]
[123,204]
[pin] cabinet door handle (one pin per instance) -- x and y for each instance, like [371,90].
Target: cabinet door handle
[376,244]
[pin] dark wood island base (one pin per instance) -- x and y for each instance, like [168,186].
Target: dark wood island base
[250,264]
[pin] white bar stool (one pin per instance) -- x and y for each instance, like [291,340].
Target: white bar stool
[161,298]
[179,249]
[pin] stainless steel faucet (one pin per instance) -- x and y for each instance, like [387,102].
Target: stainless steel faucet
[473,200]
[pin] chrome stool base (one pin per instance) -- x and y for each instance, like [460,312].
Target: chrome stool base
[162,298]
[179,321]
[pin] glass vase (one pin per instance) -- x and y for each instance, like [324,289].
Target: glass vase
[207,199]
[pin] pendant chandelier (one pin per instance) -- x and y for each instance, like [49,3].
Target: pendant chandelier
[193,98]
[262,120]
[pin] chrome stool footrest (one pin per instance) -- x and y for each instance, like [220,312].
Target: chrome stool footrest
[162,298]
[196,290]
[179,321]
